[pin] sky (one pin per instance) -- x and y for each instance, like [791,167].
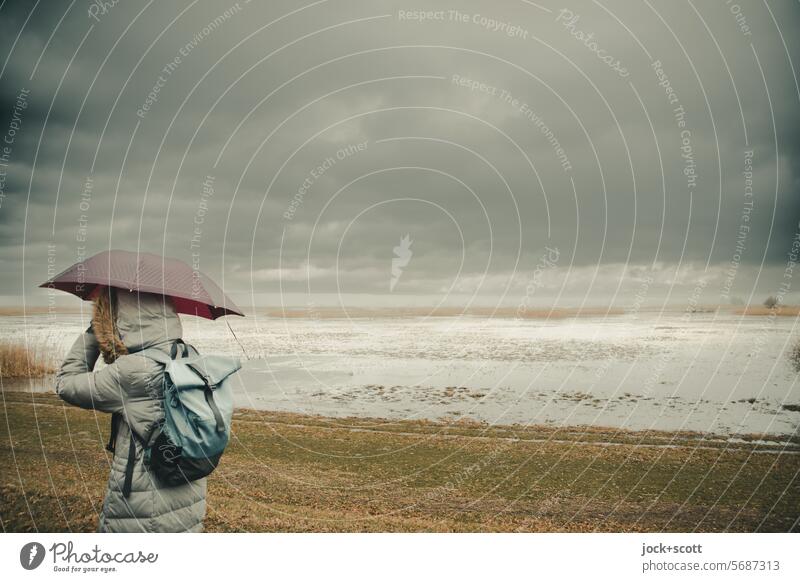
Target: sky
[393,153]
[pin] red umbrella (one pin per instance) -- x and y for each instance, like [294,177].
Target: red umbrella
[192,291]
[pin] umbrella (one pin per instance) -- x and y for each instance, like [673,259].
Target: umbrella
[192,292]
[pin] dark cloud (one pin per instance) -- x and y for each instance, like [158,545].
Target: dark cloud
[147,100]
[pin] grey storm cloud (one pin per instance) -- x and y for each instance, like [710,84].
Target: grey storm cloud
[488,133]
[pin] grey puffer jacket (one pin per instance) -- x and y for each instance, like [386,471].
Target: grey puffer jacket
[133,387]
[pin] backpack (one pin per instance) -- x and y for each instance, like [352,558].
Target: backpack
[198,407]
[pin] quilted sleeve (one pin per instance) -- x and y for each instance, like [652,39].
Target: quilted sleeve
[78,384]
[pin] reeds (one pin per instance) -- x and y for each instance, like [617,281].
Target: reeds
[26,360]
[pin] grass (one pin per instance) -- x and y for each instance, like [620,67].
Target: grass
[26,361]
[291,472]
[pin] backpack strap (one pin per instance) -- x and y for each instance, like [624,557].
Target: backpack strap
[155,354]
[163,358]
[128,483]
[116,418]
[209,394]
[178,346]
[112,438]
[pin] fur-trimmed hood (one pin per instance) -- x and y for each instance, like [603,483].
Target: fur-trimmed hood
[145,320]
[133,321]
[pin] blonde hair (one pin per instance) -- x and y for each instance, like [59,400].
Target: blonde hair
[104,324]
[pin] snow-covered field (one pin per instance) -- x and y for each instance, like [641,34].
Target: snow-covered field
[720,373]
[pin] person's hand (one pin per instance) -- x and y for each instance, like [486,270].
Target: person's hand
[91,347]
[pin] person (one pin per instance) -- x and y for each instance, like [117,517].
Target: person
[130,387]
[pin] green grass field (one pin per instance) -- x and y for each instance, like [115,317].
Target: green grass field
[288,472]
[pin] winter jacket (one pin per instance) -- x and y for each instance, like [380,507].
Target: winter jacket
[133,387]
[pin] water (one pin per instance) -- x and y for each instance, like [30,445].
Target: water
[720,373]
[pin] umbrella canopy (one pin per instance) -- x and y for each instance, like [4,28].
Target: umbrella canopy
[193,292]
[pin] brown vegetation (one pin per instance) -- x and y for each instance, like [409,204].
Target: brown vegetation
[782,310]
[38,310]
[25,361]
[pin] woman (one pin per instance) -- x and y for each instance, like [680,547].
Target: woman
[131,386]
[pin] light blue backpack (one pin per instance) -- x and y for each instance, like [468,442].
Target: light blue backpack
[198,407]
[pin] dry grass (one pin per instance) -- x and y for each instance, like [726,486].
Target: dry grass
[39,310]
[26,361]
[291,472]
[781,310]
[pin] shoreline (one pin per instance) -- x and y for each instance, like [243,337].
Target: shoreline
[497,312]
[465,426]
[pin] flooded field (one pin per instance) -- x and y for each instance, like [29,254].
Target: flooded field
[720,373]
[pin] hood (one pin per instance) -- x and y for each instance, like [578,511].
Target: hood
[145,320]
